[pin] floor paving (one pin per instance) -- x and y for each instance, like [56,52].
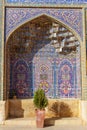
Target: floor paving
[30,124]
[64,127]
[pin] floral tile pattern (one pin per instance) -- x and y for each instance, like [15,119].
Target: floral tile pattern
[18,16]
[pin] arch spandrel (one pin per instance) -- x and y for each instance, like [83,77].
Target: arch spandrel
[15,17]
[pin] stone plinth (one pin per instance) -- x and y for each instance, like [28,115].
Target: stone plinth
[56,108]
[2,111]
[84,111]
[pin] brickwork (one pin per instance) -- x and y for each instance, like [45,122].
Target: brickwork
[83,62]
[1,47]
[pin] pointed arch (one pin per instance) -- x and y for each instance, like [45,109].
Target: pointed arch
[51,18]
[20,79]
[15,17]
[37,48]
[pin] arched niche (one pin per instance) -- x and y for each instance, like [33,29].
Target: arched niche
[42,41]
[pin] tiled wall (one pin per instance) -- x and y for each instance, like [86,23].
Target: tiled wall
[71,17]
[57,74]
[18,16]
[45,2]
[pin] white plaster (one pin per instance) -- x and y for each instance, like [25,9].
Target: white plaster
[2,112]
[84,110]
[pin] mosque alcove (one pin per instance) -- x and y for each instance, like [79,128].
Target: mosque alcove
[43,52]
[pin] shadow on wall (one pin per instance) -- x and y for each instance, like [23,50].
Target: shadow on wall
[15,109]
[59,110]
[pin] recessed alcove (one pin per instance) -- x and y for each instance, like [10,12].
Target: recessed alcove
[43,52]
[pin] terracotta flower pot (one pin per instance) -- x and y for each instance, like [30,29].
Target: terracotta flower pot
[40,115]
[14,97]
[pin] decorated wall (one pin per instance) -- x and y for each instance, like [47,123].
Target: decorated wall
[46,2]
[59,75]
[72,18]
[35,62]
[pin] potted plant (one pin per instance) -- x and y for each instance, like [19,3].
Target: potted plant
[40,102]
[13,94]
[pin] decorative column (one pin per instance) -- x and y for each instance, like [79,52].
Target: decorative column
[2,89]
[84,76]
[1,47]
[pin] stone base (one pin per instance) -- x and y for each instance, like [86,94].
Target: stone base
[56,108]
[60,108]
[84,111]
[31,122]
[3,111]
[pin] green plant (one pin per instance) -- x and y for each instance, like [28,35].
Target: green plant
[12,93]
[40,99]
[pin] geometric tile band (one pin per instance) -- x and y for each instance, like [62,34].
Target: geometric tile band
[48,1]
[18,16]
